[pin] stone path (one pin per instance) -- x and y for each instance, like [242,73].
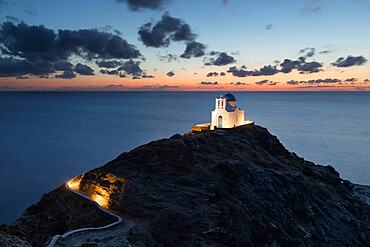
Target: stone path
[58,237]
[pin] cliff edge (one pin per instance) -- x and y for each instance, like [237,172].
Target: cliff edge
[228,187]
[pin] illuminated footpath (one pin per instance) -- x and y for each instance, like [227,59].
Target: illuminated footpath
[71,187]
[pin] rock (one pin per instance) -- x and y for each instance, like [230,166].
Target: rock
[7,240]
[230,187]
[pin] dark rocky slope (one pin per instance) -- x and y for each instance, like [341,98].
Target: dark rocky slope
[57,212]
[234,187]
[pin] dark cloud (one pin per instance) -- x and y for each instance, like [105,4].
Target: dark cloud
[349,61]
[66,75]
[170,74]
[167,87]
[222,74]
[318,86]
[165,30]
[168,58]
[351,80]
[286,67]
[212,74]
[37,50]
[108,63]
[21,77]
[40,43]
[143,4]
[147,76]
[11,18]
[184,33]
[261,82]
[314,82]
[325,51]
[131,68]
[113,86]
[222,59]
[63,65]
[308,52]
[266,70]
[209,83]
[11,67]
[292,82]
[194,49]
[239,83]
[268,27]
[83,69]
[310,67]
[109,72]
[301,65]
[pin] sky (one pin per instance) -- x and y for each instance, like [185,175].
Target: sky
[202,45]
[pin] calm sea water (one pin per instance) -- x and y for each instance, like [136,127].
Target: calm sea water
[46,138]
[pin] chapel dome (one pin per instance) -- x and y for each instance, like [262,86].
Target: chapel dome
[229,97]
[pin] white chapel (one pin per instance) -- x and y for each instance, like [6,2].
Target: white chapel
[225,115]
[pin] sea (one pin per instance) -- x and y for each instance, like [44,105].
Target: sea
[47,138]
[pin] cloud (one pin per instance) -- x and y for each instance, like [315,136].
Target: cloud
[63,65]
[268,26]
[266,70]
[165,30]
[11,18]
[212,74]
[83,69]
[168,58]
[209,83]
[325,51]
[131,68]
[66,75]
[222,59]
[239,83]
[143,4]
[261,82]
[167,87]
[147,76]
[11,67]
[194,49]
[292,82]
[40,43]
[314,82]
[318,86]
[351,80]
[170,74]
[109,64]
[31,47]
[301,65]
[222,74]
[113,86]
[308,52]
[109,72]
[349,61]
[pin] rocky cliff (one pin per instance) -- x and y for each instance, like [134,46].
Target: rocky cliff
[230,187]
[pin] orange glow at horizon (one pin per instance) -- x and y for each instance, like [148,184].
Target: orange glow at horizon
[187,81]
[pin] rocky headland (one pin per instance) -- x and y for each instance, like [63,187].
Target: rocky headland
[227,187]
